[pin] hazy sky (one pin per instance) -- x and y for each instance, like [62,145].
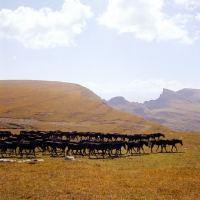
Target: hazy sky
[130,48]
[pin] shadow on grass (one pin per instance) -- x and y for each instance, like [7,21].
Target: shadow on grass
[139,154]
[174,152]
[169,152]
[118,156]
[20,157]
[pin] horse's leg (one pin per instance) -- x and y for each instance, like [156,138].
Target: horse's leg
[161,146]
[89,152]
[165,147]
[63,151]
[175,147]
[152,148]
[138,149]
[15,151]
[20,152]
[127,150]
[27,154]
[82,151]
[134,150]
[96,153]
[67,152]
[34,152]
[158,147]
[52,150]
[172,148]
[110,152]
[49,149]
[45,148]
[120,151]
[142,149]
[103,153]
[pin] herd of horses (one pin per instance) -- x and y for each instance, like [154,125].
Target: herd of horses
[89,144]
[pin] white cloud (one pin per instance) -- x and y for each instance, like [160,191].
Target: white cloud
[45,28]
[145,19]
[197,17]
[188,4]
[197,32]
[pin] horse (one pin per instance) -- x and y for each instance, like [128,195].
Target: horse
[3,148]
[79,146]
[103,147]
[172,143]
[136,144]
[159,143]
[23,146]
[12,146]
[157,135]
[54,145]
[117,145]
[164,143]
[5,134]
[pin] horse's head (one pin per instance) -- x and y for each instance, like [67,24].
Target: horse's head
[162,135]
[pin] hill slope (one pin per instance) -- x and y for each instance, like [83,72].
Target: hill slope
[65,106]
[178,110]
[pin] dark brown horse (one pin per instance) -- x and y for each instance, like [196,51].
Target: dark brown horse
[78,146]
[2,149]
[157,143]
[24,146]
[164,143]
[94,148]
[117,145]
[131,145]
[157,135]
[172,143]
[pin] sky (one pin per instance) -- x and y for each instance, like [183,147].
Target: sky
[129,48]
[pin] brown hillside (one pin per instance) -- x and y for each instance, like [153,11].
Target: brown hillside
[64,106]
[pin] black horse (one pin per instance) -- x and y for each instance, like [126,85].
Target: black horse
[117,145]
[12,147]
[131,145]
[172,143]
[158,143]
[24,146]
[94,148]
[54,146]
[3,148]
[157,135]
[164,143]
[78,146]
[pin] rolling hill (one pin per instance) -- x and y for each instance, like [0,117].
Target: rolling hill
[177,110]
[48,105]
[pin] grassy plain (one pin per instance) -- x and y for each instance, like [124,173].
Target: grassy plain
[146,176]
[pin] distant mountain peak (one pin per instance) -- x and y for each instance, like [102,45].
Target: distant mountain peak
[118,100]
[169,94]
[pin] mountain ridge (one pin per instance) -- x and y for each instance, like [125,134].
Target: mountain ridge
[178,110]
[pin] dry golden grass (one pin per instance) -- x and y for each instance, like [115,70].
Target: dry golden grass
[150,176]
